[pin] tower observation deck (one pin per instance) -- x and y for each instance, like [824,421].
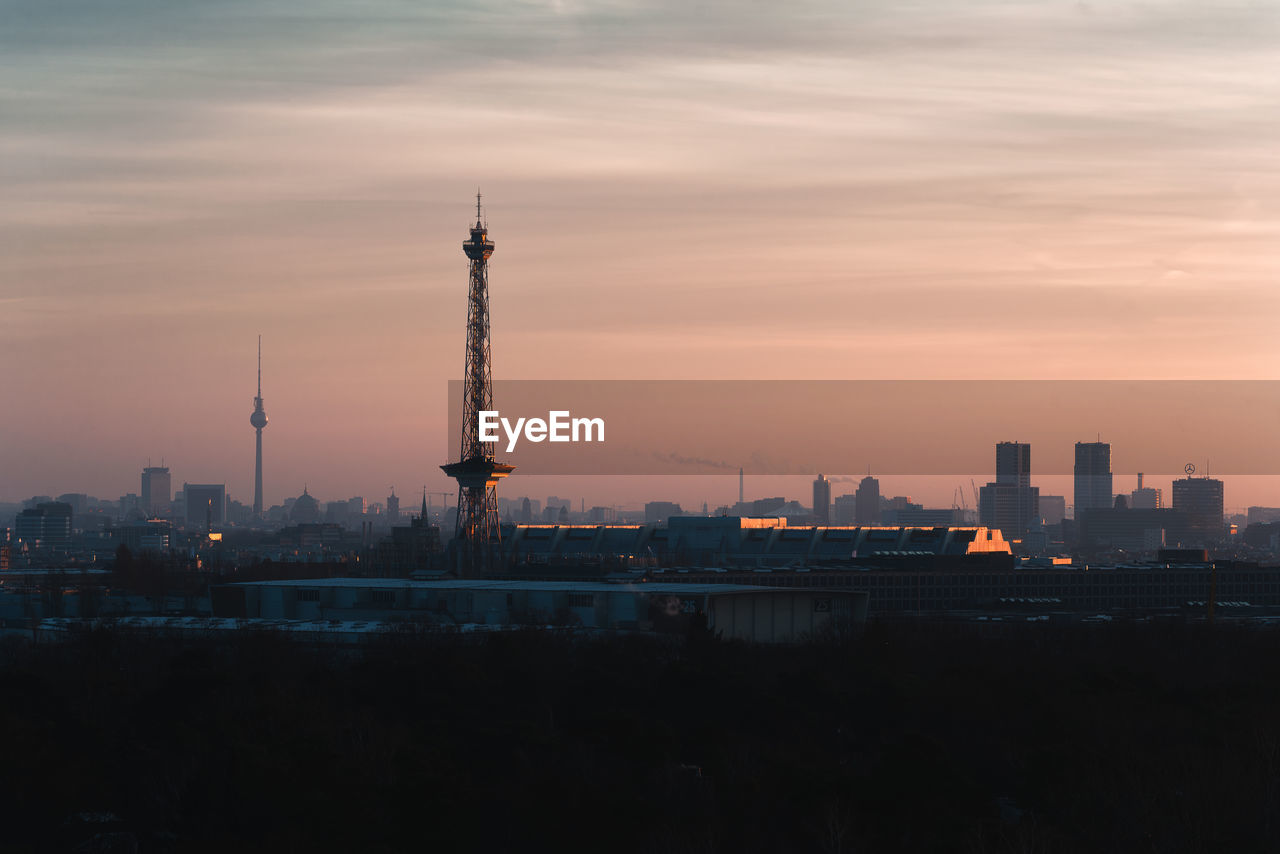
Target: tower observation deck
[477,534]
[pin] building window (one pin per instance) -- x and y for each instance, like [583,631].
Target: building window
[384,597]
[582,600]
[308,595]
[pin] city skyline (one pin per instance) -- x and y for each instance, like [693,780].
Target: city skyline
[1042,191]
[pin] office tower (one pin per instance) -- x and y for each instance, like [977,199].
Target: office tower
[1200,499]
[1053,508]
[157,489]
[844,509]
[259,420]
[1093,477]
[1013,463]
[393,508]
[1145,497]
[1010,502]
[476,530]
[45,527]
[822,500]
[867,501]
[206,504]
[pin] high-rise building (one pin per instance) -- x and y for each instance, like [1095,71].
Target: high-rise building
[1093,477]
[157,491]
[1010,502]
[822,500]
[46,527]
[1053,508]
[206,504]
[1145,497]
[1013,463]
[259,420]
[867,501]
[844,509]
[130,506]
[1200,499]
[393,508]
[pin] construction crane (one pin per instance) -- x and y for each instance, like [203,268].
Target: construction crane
[958,502]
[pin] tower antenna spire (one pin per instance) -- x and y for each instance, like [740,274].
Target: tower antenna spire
[477,205]
[259,366]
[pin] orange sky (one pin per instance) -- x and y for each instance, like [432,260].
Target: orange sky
[817,190]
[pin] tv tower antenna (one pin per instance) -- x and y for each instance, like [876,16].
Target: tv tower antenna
[477,530]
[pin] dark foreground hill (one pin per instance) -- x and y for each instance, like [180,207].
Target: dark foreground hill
[913,738]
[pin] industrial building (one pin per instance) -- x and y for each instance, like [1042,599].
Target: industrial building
[752,613]
[908,584]
[733,541]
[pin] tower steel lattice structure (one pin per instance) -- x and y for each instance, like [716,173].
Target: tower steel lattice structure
[477,532]
[259,420]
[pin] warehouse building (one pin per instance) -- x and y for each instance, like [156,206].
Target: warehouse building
[740,541]
[747,612]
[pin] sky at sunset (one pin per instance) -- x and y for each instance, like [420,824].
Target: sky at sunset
[746,190]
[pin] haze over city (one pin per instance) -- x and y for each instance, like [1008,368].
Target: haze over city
[923,353]
[1008,190]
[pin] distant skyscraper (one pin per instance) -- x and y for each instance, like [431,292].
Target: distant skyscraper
[1053,508]
[259,420]
[822,500]
[867,501]
[844,509]
[1013,463]
[1093,477]
[206,503]
[1010,502]
[393,508]
[1201,500]
[157,491]
[1145,497]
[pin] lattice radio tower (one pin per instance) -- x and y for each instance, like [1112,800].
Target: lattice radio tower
[477,534]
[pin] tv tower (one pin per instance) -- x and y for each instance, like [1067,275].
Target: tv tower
[476,472]
[259,420]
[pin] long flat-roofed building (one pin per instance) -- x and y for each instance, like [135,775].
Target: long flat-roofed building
[735,541]
[740,611]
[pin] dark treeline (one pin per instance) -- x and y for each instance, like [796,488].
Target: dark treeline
[911,738]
